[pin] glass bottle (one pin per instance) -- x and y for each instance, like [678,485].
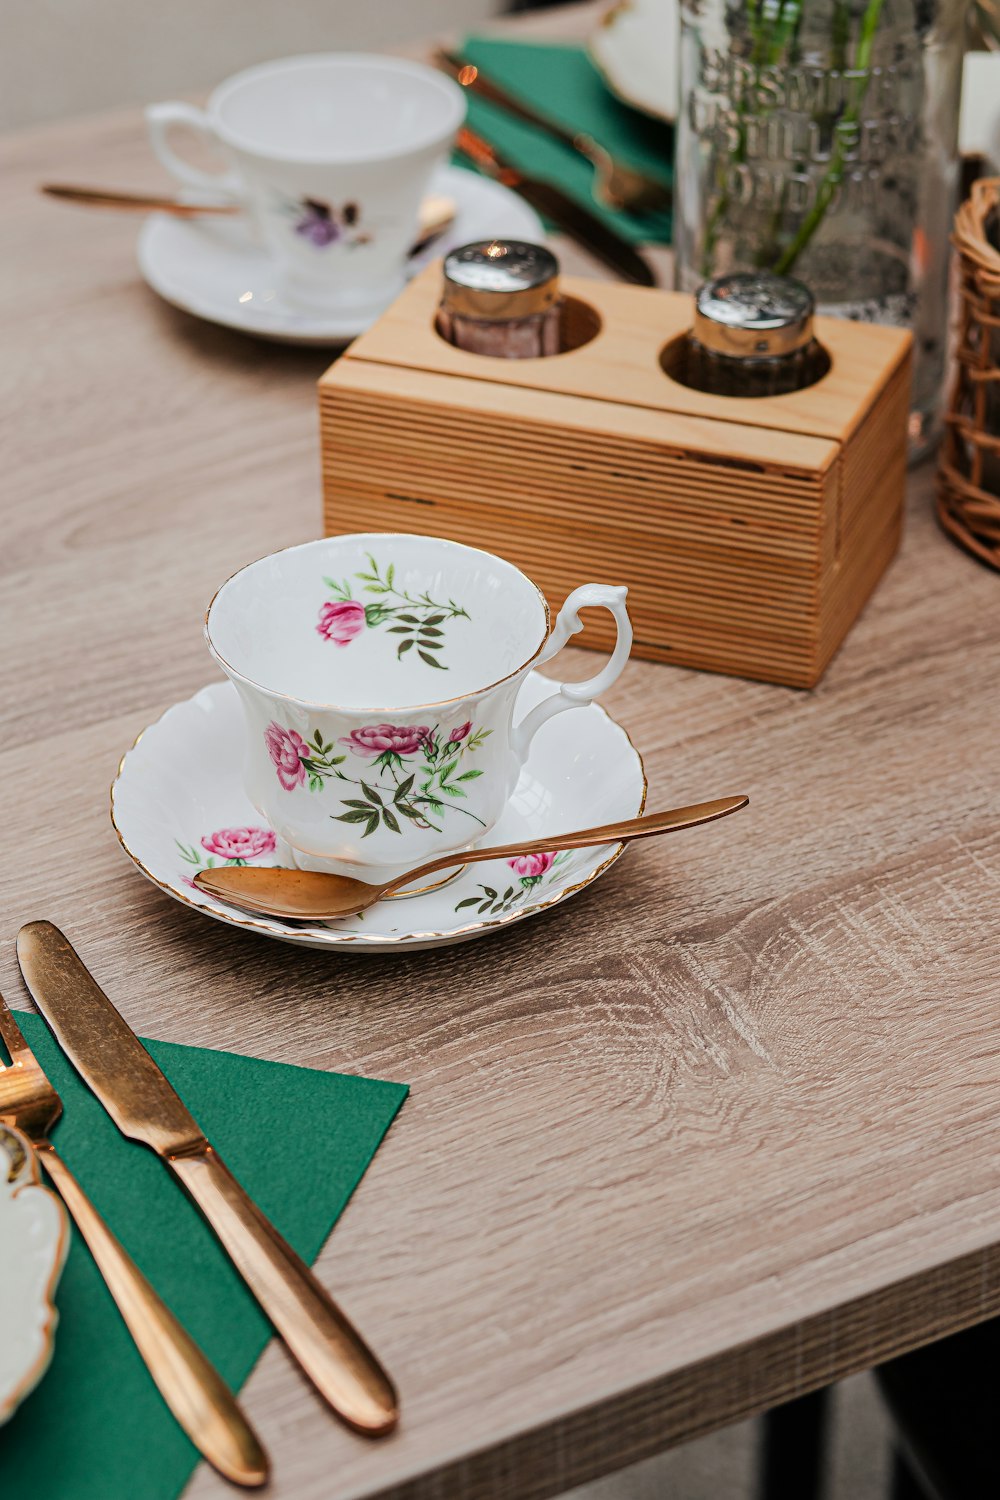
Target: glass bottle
[819,138]
[752,336]
[501,298]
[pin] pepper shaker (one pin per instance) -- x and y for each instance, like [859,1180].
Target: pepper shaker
[501,298]
[753,336]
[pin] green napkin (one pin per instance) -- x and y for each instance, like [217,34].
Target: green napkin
[96,1428]
[563,82]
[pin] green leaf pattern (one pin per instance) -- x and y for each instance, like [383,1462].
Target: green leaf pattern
[493,902]
[416,619]
[415,774]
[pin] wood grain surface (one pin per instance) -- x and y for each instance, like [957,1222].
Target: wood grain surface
[721,1129]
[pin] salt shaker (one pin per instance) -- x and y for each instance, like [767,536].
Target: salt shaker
[501,298]
[753,336]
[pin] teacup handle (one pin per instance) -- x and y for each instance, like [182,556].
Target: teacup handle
[575,694]
[159,120]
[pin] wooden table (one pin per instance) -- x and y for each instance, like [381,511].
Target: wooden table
[720,1130]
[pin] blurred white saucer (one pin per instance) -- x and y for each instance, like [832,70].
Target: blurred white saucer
[215,270]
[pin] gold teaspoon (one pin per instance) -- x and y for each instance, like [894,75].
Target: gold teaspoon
[92,197]
[314,896]
[436,213]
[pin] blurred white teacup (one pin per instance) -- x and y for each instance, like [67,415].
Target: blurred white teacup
[331,155]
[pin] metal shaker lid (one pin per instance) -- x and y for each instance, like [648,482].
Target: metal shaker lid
[500,279]
[754,315]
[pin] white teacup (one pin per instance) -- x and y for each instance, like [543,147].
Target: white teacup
[379,677]
[331,154]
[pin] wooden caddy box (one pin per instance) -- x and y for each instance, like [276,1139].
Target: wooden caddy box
[750,532]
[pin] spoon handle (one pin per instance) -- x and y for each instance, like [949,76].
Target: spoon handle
[436,213]
[669,821]
[469,76]
[133,202]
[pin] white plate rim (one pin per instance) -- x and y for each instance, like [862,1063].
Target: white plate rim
[602,47]
[33,1375]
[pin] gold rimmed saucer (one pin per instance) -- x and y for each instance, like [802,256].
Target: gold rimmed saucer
[178,804]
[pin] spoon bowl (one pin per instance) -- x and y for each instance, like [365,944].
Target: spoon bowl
[316,896]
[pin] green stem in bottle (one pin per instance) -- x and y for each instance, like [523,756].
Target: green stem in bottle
[772,30]
[833,176]
[840,34]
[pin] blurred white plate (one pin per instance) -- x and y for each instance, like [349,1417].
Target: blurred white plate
[34,1238]
[635,48]
[214,269]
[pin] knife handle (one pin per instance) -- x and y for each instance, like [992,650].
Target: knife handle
[470,77]
[190,1385]
[482,155]
[330,1352]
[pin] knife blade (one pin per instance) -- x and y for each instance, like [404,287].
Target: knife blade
[603,242]
[113,1062]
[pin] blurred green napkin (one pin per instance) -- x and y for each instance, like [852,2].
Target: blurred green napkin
[96,1428]
[562,82]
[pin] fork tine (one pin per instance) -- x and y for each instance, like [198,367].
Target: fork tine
[10,1033]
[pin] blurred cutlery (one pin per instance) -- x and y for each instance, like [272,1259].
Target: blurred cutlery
[92,197]
[615,184]
[435,213]
[572,218]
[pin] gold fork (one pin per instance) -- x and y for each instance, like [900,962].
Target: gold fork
[193,1389]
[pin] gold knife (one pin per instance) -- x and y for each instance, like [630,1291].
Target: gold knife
[191,1386]
[113,1062]
[572,218]
[615,183]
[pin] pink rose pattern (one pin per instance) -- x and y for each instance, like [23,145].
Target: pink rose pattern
[533,866]
[236,846]
[414,773]
[239,843]
[532,870]
[288,750]
[340,622]
[396,739]
[415,619]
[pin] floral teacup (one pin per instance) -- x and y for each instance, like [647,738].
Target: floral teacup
[331,155]
[379,677]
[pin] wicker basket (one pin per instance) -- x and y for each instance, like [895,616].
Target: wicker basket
[969,472]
